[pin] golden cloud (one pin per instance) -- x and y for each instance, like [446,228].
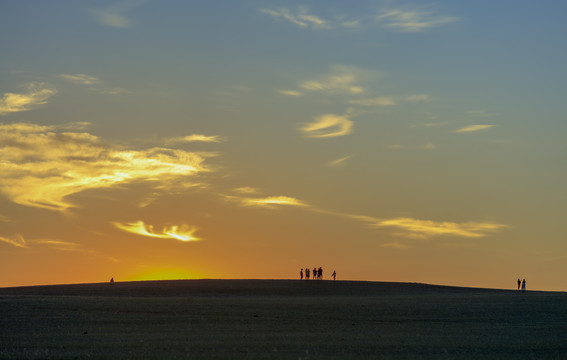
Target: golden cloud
[290,92]
[195,138]
[301,18]
[18,241]
[275,200]
[339,162]
[41,165]
[434,228]
[80,79]
[472,128]
[267,202]
[37,94]
[181,233]
[340,79]
[328,125]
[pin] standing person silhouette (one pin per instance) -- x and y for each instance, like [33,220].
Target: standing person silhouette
[301,274]
[334,275]
[519,283]
[315,274]
[320,273]
[524,284]
[307,273]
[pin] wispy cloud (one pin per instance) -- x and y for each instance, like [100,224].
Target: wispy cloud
[341,79]
[42,165]
[195,138]
[382,101]
[473,128]
[80,79]
[290,92]
[183,233]
[58,244]
[37,94]
[247,190]
[95,83]
[428,228]
[17,241]
[339,162]
[115,15]
[270,202]
[327,126]
[275,200]
[413,20]
[301,17]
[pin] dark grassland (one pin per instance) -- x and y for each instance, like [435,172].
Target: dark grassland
[280,319]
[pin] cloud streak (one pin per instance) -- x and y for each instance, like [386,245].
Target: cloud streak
[327,126]
[473,128]
[412,20]
[300,18]
[42,165]
[427,228]
[342,79]
[83,79]
[183,233]
[270,202]
[114,15]
[37,94]
[339,162]
[195,138]
[17,241]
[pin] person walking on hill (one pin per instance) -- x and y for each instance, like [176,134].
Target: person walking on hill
[307,273]
[301,274]
[524,285]
[315,274]
[320,273]
[334,275]
[519,283]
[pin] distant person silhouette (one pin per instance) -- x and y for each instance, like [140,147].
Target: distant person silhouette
[519,283]
[334,275]
[524,284]
[307,273]
[112,280]
[320,273]
[301,274]
[315,274]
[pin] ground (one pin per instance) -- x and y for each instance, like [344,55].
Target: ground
[280,319]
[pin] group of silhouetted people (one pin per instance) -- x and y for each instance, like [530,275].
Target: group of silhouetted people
[317,274]
[522,284]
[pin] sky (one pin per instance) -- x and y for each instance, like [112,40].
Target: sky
[411,141]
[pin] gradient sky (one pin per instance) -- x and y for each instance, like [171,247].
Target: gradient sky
[408,141]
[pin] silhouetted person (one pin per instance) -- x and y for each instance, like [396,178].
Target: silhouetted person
[307,273]
[315,274]
[301,274]
[320,273]
[519,283]
[112,280]
[524,284]
[334,275]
